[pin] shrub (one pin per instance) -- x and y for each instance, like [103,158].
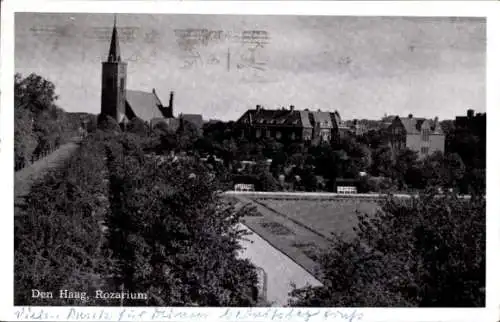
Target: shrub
[168,232]
[57,237]
[107,123]
[174,227]
[428,252]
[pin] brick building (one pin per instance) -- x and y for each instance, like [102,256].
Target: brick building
[473,123]
[289,125]
[421,135]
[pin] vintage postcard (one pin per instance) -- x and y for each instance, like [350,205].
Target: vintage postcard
[168,159]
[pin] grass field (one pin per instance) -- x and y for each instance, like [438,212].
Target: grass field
[301,227]
[324,216]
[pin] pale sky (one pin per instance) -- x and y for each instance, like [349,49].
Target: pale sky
[363,67]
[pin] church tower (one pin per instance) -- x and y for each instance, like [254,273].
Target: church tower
[114,81]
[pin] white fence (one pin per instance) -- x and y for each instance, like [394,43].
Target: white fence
[326,195]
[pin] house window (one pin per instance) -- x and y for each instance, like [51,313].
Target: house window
[424,150]
[257,133]
[268,133]
[293,136]
[278,134]
[425,135]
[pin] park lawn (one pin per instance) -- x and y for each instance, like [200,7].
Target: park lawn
[324,216]
[302,228]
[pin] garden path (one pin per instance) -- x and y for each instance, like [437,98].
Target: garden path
[281,271]
[26,177]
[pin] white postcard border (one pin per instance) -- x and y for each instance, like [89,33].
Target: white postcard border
[488,9]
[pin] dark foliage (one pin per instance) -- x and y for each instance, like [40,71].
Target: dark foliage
[115,218]
[107,123]
[40,126]
[427,252]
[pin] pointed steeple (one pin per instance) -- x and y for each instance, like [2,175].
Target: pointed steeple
[114,47]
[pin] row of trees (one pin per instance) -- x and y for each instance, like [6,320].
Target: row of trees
[40,125]
[461,167]
[164,231]
[318,167]
[57,237]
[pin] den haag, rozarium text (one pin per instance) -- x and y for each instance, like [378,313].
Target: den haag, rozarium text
[83,296]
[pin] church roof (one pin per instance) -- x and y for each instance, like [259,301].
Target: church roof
[144,105]
[114,47]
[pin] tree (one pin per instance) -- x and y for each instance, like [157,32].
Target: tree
[427,252]
[38,119]
[308,179]
[107,123]
[36,91]
[25,140]
[187,135]
[266,181]
[138,126]
[176,239]
[382,162]
[406,169]
[445,171]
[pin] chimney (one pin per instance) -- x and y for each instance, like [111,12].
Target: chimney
[171,105]
[154,91]
[470,113]
[258,107]
[292,108]
[171,101]
[410,116]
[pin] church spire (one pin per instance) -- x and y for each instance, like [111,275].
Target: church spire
[114,48]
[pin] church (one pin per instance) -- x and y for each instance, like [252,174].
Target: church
[123,104]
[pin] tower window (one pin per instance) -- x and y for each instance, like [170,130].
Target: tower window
[122,84]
